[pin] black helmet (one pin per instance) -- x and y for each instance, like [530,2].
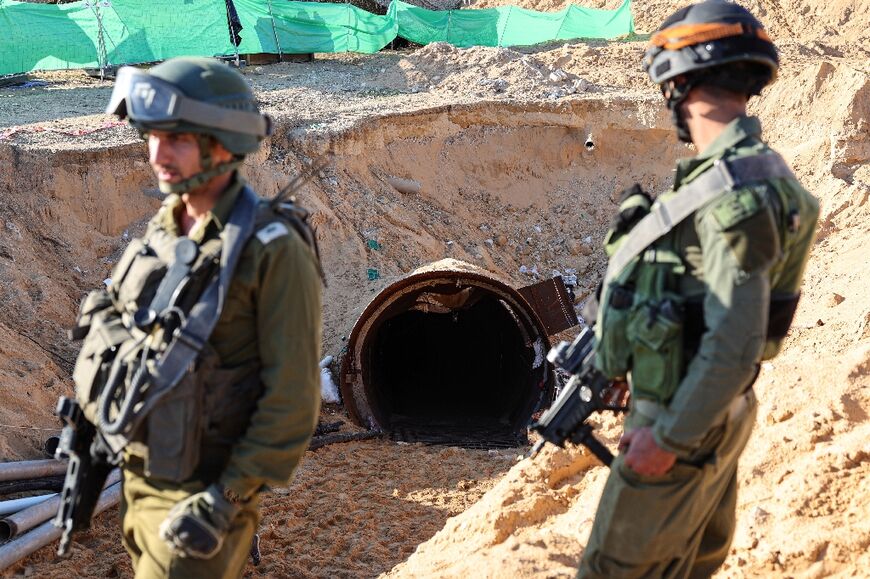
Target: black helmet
[714,41]
[202,96]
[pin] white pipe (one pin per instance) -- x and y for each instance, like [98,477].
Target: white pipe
[15,505]
[31,469]
[24,520]
[47,533]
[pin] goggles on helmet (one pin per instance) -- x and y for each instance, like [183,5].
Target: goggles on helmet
[152,101]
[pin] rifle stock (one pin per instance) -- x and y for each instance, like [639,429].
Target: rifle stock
[587,391]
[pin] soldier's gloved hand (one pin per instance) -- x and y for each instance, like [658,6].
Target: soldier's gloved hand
[634,204]
[196,526]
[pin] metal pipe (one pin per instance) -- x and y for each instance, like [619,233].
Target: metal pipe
[31,469]
[47,533]
[24,520]
[13,506]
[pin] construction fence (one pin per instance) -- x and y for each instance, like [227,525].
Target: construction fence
[103,33]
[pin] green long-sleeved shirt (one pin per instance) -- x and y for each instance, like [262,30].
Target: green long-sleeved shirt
[737,249]
[731,256]
[271,319]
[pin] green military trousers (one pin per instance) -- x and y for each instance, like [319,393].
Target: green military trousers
[145,505]
[678,525]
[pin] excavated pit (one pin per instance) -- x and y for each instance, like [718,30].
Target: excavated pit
[506,187]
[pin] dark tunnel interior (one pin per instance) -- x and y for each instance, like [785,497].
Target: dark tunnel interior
[460,372]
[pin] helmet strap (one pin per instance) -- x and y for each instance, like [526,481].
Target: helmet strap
[200,179]
[675,93]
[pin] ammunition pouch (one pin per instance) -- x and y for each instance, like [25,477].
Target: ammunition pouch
[612,348]
[173,428]
[106,336]
[655,332]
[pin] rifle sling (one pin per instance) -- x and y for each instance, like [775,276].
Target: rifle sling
[723,177]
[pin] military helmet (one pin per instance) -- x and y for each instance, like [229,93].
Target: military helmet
[191,95]
[709,35]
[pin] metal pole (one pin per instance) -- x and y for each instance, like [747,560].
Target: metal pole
[15,505]
[47,533]
[24,520]
[31,469]
[275,33]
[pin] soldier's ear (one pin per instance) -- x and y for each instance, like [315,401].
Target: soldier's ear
[219,153]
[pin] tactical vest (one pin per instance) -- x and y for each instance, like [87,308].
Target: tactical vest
[645,327]
[189,432]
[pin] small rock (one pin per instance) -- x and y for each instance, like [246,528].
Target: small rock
[574,246]
[581,85]
[820,323]
[488,242]
[782,415]
[834,300]
[558,76]
[501,240]
[759,515]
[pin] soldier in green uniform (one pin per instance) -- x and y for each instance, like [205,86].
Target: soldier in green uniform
[200,436]
[701,287]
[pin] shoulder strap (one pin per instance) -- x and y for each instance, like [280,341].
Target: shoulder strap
[297,216]
[190,338]
[724,176]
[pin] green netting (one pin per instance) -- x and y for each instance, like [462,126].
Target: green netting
[510,25]
[93,33]
[137,31]
[275,26]
[39,36]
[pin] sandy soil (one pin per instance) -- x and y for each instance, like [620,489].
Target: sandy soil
[499,150]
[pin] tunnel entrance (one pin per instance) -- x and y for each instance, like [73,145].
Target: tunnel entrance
[447,356]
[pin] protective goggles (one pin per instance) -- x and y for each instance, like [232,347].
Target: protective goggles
[149,100]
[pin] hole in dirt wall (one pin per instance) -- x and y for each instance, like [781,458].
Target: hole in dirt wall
[521,195]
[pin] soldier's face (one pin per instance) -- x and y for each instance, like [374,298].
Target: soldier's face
[174,157]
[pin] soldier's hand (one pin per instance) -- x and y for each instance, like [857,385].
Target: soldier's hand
[196,526]
[644,456]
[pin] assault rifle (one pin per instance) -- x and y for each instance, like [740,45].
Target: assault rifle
[586,392]
[86,474]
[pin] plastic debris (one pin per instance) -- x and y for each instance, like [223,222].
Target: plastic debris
[373,274]
[328,389]
[373,244]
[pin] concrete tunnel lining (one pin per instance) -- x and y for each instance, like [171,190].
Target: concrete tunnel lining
[447,355]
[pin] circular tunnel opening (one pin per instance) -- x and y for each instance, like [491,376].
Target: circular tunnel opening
[448,355]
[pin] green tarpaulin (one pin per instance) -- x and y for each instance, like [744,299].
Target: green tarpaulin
[94,33]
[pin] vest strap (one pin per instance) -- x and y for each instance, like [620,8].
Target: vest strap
[188,341]
[724,176]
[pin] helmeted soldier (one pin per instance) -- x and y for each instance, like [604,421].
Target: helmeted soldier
[200,361]
[701,287]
